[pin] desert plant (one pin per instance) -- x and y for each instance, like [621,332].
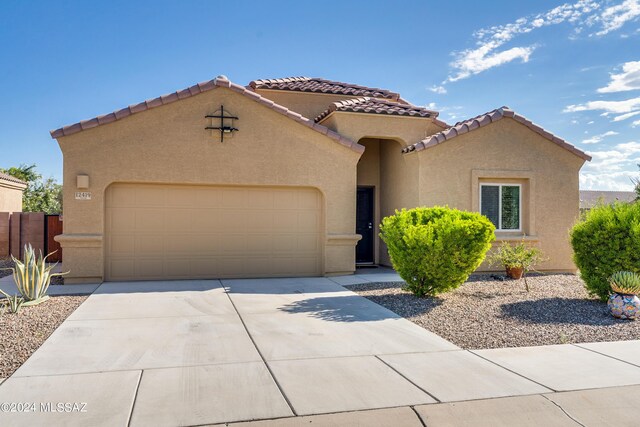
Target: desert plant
[14,302]
[436,249]
[33,276]
[519,255]
[607,241]
[625,282]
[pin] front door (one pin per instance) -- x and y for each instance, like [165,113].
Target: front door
[364,225]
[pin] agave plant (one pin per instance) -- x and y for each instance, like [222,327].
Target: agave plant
[14,302]
[625,282]
[33,276]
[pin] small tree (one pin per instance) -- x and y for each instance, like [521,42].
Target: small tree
[436,249]
[41,195]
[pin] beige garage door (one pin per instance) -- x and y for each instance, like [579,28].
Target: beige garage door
[182,232]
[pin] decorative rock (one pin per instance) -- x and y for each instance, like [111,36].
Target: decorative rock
[624,306]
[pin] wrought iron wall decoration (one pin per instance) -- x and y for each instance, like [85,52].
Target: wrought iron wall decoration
[226,124]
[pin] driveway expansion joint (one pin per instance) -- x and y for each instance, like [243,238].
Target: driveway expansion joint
[413,383]
[275,380]
[135,398]
[604,354]
[513,372]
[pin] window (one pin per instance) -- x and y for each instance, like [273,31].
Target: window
[501,204]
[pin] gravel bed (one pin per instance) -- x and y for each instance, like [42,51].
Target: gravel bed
[5,263]
[21,334]
[494,312]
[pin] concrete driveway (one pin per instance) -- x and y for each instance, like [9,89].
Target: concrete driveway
[209,351]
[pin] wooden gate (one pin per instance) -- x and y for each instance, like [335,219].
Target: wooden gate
[52,228]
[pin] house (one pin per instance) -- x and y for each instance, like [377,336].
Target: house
[291,177]
[590,198]
[11,193]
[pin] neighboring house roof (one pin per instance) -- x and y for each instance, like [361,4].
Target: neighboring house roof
[377,106]
[220,81]
[318,85]
[485,119]
[11,179]
[590,198]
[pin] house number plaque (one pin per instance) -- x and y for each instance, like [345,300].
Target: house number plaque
[83,195]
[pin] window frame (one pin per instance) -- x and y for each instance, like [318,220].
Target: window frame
[500,185]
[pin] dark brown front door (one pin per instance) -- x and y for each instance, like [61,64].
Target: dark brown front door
[364,225]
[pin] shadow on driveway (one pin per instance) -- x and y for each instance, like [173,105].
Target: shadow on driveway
[347,308]
[355,308]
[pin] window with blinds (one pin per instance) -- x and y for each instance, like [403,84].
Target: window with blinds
[501,204]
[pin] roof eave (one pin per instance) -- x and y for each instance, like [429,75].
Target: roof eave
[219,81]
[484,120]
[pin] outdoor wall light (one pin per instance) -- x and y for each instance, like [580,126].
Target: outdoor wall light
[82,181]
[226,124]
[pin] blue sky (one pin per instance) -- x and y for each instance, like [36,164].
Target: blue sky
[573,67]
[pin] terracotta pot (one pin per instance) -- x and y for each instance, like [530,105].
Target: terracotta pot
[515,272]
[624,306]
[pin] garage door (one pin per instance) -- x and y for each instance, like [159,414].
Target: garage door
[184,232]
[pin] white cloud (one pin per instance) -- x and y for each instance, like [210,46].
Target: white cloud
[627,79]
[626,108]
[597,138]
[613,181]
[440,90]
[611,169]
[488,40]
[625,116]
[475,61]
[636,123]
[614,17]
[489,51]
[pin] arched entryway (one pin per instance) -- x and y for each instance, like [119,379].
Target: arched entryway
[385,184]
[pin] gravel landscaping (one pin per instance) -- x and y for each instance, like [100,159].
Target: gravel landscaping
[490,312]
[5,263]
[21,334]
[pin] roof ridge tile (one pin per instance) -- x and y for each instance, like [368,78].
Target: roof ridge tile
[485,119]
[219,81]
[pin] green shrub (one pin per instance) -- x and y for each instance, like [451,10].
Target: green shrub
[607,241]
[436,249]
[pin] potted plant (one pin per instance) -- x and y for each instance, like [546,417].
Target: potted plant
[518,259]
[623,302]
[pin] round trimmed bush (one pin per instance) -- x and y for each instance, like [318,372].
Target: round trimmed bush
[436,249]
[607,241]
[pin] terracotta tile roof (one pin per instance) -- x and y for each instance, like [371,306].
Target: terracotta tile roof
[220,81]
[12,179]
[377,106]
[589,198]
[483,120]
[318,85]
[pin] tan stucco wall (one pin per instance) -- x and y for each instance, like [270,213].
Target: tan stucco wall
[407,130]
[309,104]
[507,151]
[10,197]
[395,178]
[170,145]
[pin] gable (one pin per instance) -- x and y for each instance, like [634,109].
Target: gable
[220,81]
[486,119]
